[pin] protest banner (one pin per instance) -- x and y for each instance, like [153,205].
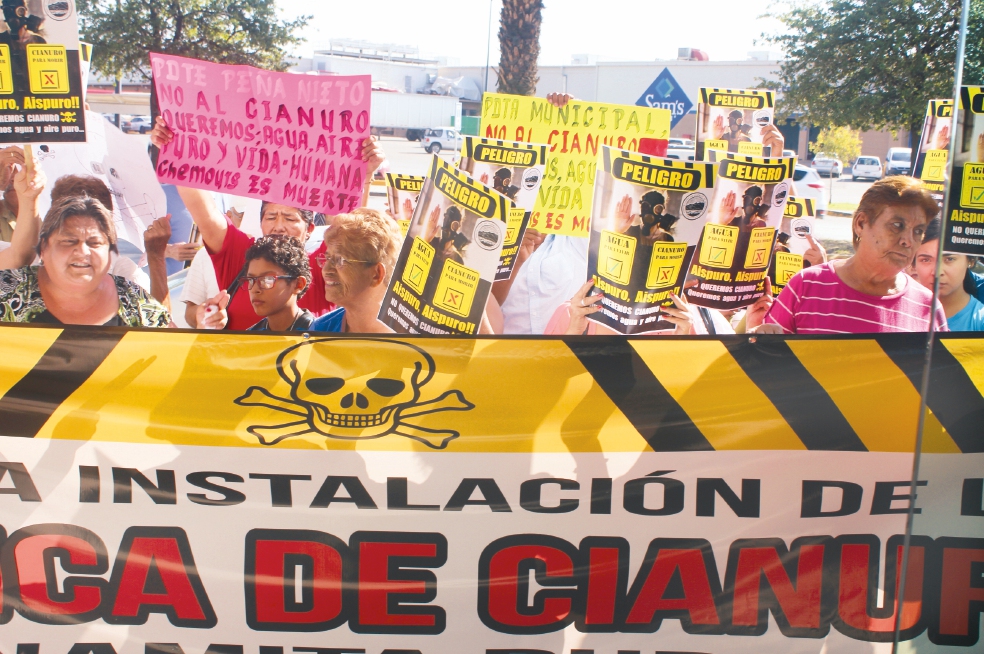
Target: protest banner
[450,255]
[118,160]
[648,216]
[515,170]
[278,137]
[41,90]
[575,134]
[796,247]
[402,192]
[398,494]
[964,227]
[934,147]
[733,255]
[738,121]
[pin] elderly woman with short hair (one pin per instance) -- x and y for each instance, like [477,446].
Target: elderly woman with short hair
[73,285]
[869,292]
[361,249]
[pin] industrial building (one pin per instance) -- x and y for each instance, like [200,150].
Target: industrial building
[402,69]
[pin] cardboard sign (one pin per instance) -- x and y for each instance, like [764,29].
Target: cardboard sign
[735,250]
[649,214]
[278,137]
[934,147]
[964,227]
[450,255]
[795,243]
[402,192]
[515,170]
[41,89]
[120,160]
[575,135]
[738,121]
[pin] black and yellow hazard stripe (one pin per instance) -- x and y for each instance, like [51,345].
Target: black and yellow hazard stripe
[530,395]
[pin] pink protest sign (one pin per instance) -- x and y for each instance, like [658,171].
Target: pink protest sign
[279,137]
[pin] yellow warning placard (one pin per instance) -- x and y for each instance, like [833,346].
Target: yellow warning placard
[664,267]
[754,149]
[47,67]
[514,225]
[718,246]
[615,256]
[759,246]
[456,288]
[935,166]
[787,265]
[972,190]
[6,75]
[404,227]
[418,265]
[717,144]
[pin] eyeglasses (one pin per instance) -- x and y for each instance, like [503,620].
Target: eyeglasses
[336,261]
[266,282]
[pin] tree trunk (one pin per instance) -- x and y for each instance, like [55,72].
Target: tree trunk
[519,44]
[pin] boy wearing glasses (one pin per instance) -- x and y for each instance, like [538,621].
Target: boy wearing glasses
[277,276]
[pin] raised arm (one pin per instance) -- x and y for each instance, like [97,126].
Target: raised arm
[155,242]
[29,182]
[211,222]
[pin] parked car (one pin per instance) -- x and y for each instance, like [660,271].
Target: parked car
[898,161]
[809,185]
[828,166]
[683,144]
[789,153]
[867,168]
[441,138]
[137,125]
[683,154]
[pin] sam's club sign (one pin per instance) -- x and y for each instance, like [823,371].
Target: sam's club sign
[666,93]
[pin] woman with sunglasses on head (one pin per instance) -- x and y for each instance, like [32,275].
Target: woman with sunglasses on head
[360,253]
[277,276]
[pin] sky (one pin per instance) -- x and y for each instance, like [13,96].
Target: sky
[637,30]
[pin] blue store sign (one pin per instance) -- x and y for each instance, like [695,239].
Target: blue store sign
[666,93]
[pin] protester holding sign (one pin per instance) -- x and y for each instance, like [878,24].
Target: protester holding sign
[228,244]
[869,292]
[357,262]
[73,285]
[964,312]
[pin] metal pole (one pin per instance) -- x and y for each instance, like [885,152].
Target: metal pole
[488,49]
[931,335]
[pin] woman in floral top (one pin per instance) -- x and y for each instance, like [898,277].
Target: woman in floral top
[73,285]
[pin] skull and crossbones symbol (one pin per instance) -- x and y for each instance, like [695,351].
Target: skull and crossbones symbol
[354,389]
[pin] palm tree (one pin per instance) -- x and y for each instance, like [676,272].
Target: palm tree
[519,45]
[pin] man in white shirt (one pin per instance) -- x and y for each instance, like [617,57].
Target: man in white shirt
[549,278]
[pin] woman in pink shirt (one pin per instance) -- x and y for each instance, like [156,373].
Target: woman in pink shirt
[870,291]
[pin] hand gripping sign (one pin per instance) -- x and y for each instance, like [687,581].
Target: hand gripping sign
[278,137]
